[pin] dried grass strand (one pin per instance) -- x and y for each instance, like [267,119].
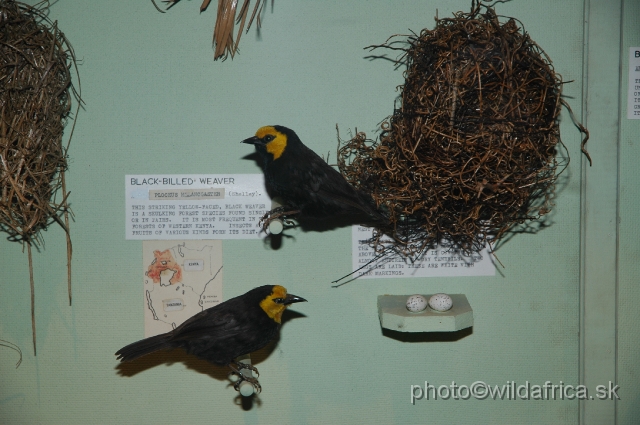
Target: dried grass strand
[226,19]
[14,347]
[33,299]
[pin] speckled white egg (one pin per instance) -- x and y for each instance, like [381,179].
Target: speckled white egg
[440,302]
[416,303]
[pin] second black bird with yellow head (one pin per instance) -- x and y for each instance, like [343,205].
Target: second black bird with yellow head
[221,333]
[308,185]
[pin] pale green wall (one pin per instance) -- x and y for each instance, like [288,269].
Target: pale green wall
[157,103]
[628,348]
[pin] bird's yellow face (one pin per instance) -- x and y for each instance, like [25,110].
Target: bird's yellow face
[277,302]
[273,305]
[276,142]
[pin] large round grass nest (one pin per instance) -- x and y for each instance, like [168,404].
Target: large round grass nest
[36,96]
[35,102]
[472,148]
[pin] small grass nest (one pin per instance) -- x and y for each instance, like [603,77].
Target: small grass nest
[36,96]
[472,149]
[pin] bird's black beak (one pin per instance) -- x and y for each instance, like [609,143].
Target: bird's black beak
[252,141]
[290,299]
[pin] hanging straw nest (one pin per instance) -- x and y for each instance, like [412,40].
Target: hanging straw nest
[226,20]
[472,149]
[35,102]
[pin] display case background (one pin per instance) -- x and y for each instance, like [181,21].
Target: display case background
[564,308]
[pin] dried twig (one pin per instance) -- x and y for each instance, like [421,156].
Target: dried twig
[14,347]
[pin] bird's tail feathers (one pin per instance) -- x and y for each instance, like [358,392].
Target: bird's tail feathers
[143,347]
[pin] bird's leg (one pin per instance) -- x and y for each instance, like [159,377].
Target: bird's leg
[241,366]
[277,213]
[236,368]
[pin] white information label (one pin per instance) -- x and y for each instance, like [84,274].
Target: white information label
[194,206]
[633,96]
[181,278]
[435,262]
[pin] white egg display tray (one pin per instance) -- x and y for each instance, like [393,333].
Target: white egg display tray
[393,313]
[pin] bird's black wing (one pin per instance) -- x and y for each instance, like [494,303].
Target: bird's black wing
[329,186]
[216,322]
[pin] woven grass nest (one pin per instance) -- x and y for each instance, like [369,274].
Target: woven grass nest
[473,148]
[36,95]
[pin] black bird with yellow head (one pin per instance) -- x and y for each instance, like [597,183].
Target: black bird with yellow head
[309,186]
[221,333]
